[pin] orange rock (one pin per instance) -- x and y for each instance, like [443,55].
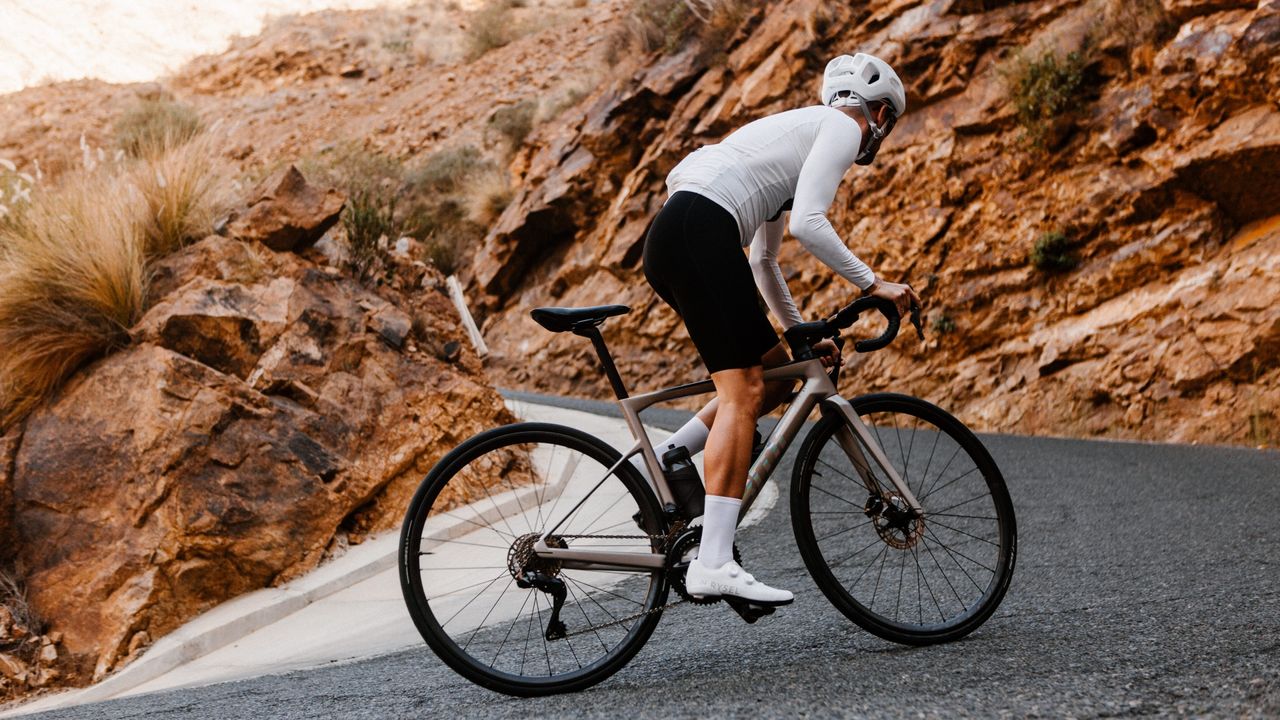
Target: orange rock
[261,412]
[288,213]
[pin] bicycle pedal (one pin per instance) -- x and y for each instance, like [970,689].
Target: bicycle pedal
[749,611]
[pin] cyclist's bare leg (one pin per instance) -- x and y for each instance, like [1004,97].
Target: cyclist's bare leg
[728,455]
[774,392]
[739,395]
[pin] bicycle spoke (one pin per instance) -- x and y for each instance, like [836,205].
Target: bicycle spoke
[962,532]
[837,470]
[928,514]
[966,502]
[920,572]
[929,531]
[468,587]
[865,547]
[944,469]
[486,615]
[967,473]
[511,627]
[839,532]
[847,502]
[951,555]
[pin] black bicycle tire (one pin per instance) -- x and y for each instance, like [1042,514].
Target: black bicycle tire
[411,581]
[812,554]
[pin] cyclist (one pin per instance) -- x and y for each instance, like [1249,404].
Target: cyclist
[727,196]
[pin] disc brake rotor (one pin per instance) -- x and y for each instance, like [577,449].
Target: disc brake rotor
[896,524]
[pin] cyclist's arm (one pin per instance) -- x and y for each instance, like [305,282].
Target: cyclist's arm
[764,266]
[832,155]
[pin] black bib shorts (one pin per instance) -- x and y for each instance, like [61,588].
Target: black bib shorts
[693,258]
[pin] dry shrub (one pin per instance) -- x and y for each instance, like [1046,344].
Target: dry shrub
[1052,252]
[490,27]
[73,263]
[1134,22]
[515,122]
[153,127]
[72,281]
[444,171]
[181,195]
[373,183]
[13,597]
[669,25]
[487,194]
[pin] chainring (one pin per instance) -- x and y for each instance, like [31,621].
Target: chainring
[678,565]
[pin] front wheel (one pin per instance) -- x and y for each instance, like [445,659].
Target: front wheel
[487,604]
[907,578]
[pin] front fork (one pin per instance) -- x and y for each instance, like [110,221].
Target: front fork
[853,435]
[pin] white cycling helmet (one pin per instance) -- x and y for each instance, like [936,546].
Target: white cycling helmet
[859,80]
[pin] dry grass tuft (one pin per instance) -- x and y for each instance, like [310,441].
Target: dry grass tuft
[153,127]
[73,263]
[491,27]
[72,282]
[13,597]
[669,25]
[487,194]
[181,195]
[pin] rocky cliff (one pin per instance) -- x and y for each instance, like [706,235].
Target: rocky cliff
[269,411]
[1161,179]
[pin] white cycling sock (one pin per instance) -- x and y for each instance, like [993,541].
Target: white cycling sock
[692,435]
[719,522]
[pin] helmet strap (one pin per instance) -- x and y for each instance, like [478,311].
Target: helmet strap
[878,133]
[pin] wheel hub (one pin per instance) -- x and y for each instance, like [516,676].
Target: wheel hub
[895,522]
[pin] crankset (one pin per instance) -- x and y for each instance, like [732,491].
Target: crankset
[682,552]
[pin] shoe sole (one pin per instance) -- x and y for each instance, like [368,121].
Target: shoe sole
[749,601]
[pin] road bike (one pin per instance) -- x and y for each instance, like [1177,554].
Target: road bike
[537,559]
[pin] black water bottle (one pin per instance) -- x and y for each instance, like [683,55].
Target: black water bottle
[683,479]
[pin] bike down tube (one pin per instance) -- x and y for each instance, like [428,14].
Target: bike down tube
[854,424]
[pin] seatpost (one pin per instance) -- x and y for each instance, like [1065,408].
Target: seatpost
[606,360]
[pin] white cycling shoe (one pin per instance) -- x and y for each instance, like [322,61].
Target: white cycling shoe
[730,580]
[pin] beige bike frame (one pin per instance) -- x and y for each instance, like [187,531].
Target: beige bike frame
[816,390]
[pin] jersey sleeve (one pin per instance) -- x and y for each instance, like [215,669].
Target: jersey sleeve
[768,275]
[833,152]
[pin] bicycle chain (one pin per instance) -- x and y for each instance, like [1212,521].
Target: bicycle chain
[665,537]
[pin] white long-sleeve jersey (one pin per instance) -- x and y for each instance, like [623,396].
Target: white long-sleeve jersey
[794,159]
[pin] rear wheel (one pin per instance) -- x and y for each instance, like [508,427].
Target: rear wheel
[907,578]
[487,604]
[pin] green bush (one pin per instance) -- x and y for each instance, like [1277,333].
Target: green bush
[1052,253]
[943,324]
[152,127]
[1044,87]
[369,217]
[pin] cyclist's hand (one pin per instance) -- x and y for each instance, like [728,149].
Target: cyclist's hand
[900,294]
[827,351]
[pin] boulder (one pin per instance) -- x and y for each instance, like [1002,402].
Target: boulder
[264,410]
[288,213]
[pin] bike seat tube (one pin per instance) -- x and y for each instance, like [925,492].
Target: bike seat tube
[591,332]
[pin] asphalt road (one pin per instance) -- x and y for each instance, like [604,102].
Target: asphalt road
[1148,583]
